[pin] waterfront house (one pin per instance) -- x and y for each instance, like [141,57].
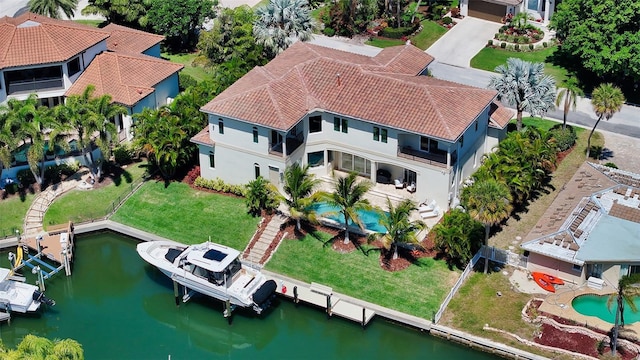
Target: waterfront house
[379,116]
[591,232]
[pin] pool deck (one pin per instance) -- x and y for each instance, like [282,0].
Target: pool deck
[559,304]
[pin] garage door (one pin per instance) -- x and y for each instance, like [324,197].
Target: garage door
[486,10]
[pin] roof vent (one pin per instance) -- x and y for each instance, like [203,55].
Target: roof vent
[338,79]
[139,91]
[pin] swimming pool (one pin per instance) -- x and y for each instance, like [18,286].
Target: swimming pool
[370,219]
[20,154]
[596,305]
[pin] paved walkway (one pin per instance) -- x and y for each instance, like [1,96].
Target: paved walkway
[39,206]
[255,252]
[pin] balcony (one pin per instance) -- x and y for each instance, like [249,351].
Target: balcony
[436,159]
[16,87]
[293,143]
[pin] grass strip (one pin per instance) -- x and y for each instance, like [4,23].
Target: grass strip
[13,212]
[489,58]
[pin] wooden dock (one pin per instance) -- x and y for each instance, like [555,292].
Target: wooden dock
[323,297]
[53,241]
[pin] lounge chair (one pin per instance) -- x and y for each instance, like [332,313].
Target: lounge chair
[427,207]
[412,188]
[398,183]
[431,214]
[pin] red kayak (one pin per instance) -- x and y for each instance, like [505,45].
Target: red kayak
[546,281]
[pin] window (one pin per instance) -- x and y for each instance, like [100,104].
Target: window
[220,126]
[212,161]
[577,268]
[256,169]
[383,135]
[73,66]
[340,124]
[255,134]
[376,133]
[427,144]
[356,163]
[315,124]
[315,158]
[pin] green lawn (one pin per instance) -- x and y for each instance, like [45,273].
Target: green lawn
[196,71]
[489,58]
[183,214]
[94,23]
[383,42]
[431,32]
[544,124]
[418,290]
[12,213]
[83,205]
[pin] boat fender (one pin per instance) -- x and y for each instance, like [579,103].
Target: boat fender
[284,289]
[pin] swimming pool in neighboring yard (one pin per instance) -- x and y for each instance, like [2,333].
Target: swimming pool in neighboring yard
[596,305]
[370,218]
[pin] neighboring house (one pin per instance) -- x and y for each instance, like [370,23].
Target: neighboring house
[378,116]
[591,232]
[495,10]
[57,58]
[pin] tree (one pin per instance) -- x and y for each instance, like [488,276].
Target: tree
[299,186]
[606,100]
[179,20]
[260,194]
[348,196]
[129,13]
[489,202]
[628,290]
[401,231]
[279,21]
[601,37]
[51,8]
[40,348]
[231,39]
[568,94]
[8,142]
[76,111]
[458,236]
[101,122]
[524,85]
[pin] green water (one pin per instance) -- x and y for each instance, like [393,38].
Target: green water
[117,306]
[596,305]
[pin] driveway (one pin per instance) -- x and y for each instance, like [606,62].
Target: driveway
[463,41]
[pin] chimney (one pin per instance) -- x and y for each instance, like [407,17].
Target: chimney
[338,79]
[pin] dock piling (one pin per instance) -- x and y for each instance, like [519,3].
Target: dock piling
[228,310]
[328,306]
[36,270]
[176,293]
[295,295]
[364,317]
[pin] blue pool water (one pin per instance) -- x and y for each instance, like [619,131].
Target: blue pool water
[596,305]
[370,219]
[20,154]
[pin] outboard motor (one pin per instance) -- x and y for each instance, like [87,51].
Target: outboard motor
[39,296]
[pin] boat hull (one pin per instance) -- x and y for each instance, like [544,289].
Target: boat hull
[17,296]
[546,281]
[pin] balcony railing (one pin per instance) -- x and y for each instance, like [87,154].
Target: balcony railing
[293,143]
[30,86]
[436,159]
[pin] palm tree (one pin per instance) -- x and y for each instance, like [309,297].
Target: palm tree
[260,195]
[348,196]
[628,289]
[76,111]
[51,8]
[67,349]
[489,202]
[569,94]
[606,100]
[458,236]
[401,231]
[7,139]
[524,85]
[299,185]
[35,347]
[280,20]
[101,122]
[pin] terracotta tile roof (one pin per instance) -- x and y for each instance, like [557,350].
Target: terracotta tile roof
[127,40]
[383,89]
[31,39]
[128,78]
[203,138]
[500,115]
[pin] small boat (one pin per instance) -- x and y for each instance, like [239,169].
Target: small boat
[546,281]
[15,295]
[210,269]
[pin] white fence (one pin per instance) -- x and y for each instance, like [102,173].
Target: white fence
[454,289]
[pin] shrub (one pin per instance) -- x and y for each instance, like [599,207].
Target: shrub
[511,38]
[517,47]
[490,43]
[396,33]
[510,47]
[218,184]
[611,165]
[53,174]
[544,44]
[185,81]
[503,45]
[123,154]
[564,139]
[328,31]
[447,20]
[530,46]
[25,177]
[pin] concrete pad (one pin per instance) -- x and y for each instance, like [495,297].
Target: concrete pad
[345,44]
[463,41]
[522,283]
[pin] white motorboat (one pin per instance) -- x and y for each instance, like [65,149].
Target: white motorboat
[210,269]
[18,296]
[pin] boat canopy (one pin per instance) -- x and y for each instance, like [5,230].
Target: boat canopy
[212,257]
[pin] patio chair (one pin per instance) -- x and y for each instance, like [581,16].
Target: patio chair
[412,187]
[431,214]
[398,183]
[427,207]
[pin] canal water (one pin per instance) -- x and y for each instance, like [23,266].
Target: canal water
[117,306]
